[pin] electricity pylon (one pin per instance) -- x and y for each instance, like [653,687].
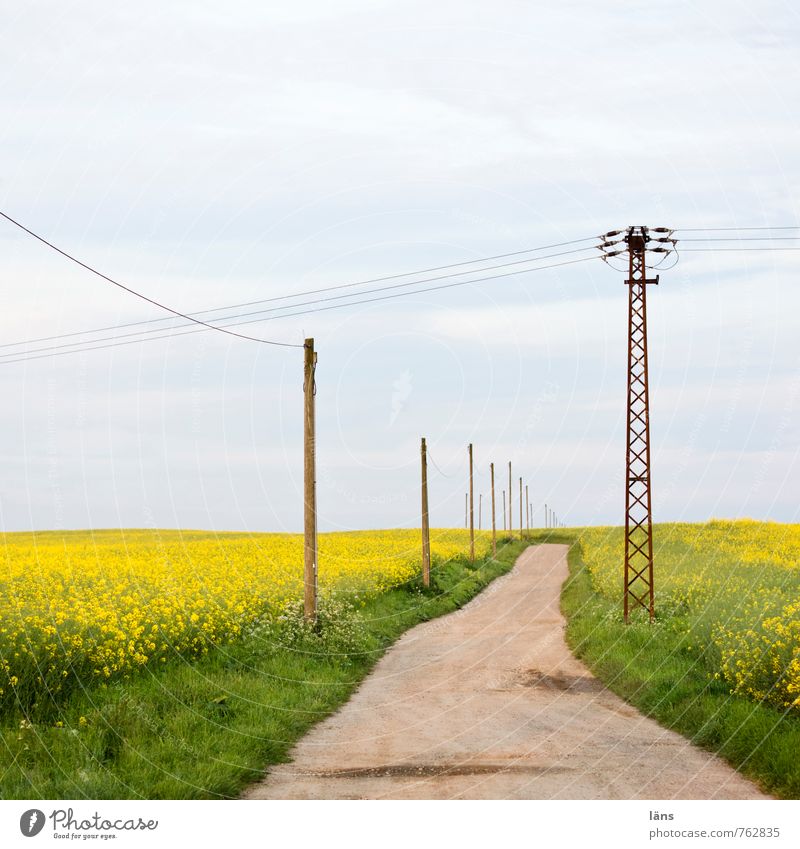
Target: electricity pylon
[638,572]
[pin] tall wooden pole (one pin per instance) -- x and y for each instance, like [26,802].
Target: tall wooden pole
[426,531]
[527,510]
[504,511]
[510,504]
[310,483]
[494,521]
[471,511]
[521,523]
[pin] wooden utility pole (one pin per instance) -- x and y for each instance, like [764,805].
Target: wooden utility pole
[521,523]
[527,510]
[471,511]
[426,531]
[494,521]
[510,504]
[310,483]
[504,511]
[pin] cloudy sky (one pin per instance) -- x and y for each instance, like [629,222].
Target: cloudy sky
[209,154]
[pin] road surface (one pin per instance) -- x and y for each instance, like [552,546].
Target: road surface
[489,703]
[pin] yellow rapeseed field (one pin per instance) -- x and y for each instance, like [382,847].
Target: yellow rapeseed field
[97,605]
[738,585]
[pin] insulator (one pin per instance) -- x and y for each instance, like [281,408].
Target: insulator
[611,234]
[662,230]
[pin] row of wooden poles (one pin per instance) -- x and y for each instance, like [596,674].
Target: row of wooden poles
[551,520]
[310,495]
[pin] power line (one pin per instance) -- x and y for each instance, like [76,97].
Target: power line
[708,250]
[436,465]
[314,292]
[89,346]
[300,303]
[139,294]
[724,229]
[741,239]
[171,335]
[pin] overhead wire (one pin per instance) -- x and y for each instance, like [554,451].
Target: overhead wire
[741,239]
[89,346]
[191,315]
[709,250]
[407,284]
[140,295]
[436,465]
[728,229]
[221,323]
[660,265]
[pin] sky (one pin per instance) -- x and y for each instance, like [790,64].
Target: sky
[208,154]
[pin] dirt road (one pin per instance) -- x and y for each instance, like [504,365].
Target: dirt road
[489,703]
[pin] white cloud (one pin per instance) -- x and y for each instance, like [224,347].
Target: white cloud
[210,156]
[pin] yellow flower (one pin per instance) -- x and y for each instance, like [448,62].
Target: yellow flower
[739,580]
[112,602]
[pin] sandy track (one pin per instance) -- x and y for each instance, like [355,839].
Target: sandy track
[489,703]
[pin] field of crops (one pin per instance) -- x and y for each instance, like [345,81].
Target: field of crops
[736,585]
[82,607]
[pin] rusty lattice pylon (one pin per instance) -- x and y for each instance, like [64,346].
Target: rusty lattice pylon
[638,243]
[638,511]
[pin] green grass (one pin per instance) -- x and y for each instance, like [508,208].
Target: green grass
[208,728]
[658,670]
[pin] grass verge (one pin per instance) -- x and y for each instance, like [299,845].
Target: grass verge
[208,728]
[658,670]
